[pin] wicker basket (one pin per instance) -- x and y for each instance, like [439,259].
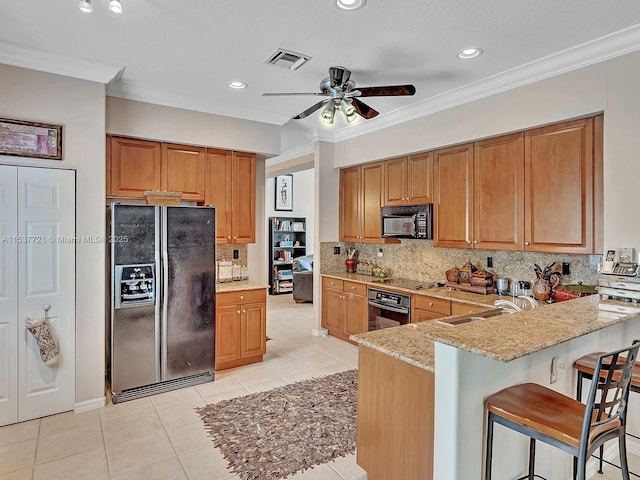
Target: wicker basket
[157,197]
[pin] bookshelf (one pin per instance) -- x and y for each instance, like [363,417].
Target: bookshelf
[287,240]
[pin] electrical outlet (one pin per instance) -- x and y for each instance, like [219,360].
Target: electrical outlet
[557,369]
[235,254]
[566,270]
[336,250]
[489,262]
[380,253]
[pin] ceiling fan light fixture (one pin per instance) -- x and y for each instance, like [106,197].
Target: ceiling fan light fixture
[328,114]
[85,6]
[237,85]
[468,53]
[115,6]
[348,109]
[350,4]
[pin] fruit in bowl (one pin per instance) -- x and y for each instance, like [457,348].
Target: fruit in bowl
[380,272]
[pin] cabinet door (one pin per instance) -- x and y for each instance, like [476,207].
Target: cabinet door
[425,315]
[244,198]
[356,315]
[395,181]
[559,188]
[420,179]
[219,191]
[459,308]
[453,185]
[350,204]
[254,329]
[135,167]
[183,170]
[372,185]
[228,333]
[498,200]
[332,311]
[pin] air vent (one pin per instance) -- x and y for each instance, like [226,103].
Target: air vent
[288,59]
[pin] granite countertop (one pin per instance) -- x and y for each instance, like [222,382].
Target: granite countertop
[236,286]
[504,337]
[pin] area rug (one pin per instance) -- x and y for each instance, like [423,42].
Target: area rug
[271,435]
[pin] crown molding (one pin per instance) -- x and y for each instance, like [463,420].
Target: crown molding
[316,135]
[595,51]
[34,59]
[292,154]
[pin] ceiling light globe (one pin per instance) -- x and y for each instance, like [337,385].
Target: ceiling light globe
[347,108]
[328,115]
[350,4]
[468,53]
[115,6]
[85,6]
[237,85]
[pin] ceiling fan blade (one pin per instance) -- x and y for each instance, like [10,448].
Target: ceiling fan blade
[339,76]
[363,109]
[283,94]
[391,90]
[311,109]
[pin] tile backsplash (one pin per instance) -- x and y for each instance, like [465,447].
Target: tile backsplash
[225,252]
[420,260]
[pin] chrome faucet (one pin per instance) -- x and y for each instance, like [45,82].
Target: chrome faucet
[534,303]
[508,306]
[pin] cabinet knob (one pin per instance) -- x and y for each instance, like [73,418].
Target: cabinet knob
[431,304]
[229,237]
[475,241]
[468,241]
[238,312]
[241,297]
[527,243]
[244,311]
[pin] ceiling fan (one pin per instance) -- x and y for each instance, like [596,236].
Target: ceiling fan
[343,94]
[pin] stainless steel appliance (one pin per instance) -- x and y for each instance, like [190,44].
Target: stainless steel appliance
[162,325]
[388,309]
[412,221]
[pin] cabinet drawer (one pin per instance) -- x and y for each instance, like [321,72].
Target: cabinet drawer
[425,315]
[462,308]
[355,287]
[334,283]
[432,304]
[225,299]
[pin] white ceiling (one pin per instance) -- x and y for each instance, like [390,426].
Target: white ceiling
[183,53]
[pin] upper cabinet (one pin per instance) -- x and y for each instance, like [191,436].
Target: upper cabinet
[183,170]
[134,166]
[559,173]
[230,186]
[408,180]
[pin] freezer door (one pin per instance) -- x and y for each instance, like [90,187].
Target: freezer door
[189,285]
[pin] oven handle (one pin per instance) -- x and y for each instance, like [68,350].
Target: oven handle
[388,307]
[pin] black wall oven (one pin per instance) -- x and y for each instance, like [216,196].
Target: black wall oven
[388,309]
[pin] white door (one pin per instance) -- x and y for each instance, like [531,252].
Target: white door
[8,295]
[43,238]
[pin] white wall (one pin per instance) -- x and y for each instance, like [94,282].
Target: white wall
[303,202]
[79,106]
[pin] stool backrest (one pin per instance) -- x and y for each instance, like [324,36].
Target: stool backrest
[606,408]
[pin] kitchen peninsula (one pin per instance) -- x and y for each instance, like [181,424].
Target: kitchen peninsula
[423,385]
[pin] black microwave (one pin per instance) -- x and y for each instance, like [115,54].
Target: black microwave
[411,221]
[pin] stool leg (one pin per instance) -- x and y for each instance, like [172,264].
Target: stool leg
[489,449]
[575,468]
[600,459]
[623,457]
[579,388]
[532,458]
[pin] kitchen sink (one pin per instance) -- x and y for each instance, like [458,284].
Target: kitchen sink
[471,317]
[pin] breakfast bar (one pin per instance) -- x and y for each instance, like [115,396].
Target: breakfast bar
[449,368]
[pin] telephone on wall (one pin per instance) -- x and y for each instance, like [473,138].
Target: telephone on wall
[620,262]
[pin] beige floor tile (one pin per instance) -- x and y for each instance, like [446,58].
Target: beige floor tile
[91,465]
[169,469]
[17,456]
[126,408]
[190,436]
[251,375]
[117,429]
[220,384]
[176,414]
[138,452]
[317,361]
[19,432]
[68,421]
[347,468]
[287,367]
[217,397]
[70,442]
[206,464]
[331,369]
[183,396]
[319,472]
[19,475]
[267,385]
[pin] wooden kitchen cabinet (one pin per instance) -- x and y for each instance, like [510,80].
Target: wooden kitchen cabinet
[183,170]
[134,166]
[344,307]
[559,174]
[360,203]
[460,308]
[230,186]
[453,191]
[429,308]
[408,180]
[241,328]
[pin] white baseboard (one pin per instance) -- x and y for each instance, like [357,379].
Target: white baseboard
[319,332]
[89,404]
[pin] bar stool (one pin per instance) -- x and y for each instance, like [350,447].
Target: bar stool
[586,366]
[558,420]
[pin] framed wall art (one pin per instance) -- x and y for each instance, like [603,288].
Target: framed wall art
[30,139]
[284,192]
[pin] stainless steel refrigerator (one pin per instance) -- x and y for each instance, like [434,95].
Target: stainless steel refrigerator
[162,328]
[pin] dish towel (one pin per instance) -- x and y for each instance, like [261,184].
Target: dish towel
[43,334]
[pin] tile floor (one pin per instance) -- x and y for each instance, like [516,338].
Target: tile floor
[161,437]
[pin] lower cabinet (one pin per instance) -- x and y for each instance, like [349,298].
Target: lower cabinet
[429,308]
[241,328]
[344,307]
[459,308]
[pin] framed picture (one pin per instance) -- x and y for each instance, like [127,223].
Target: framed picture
[30,139]
[284,192]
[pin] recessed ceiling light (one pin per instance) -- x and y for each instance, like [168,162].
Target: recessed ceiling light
[469,53]
[350,4]
[237,85]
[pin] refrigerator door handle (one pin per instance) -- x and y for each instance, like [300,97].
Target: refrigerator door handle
[165,287]
[157,311]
